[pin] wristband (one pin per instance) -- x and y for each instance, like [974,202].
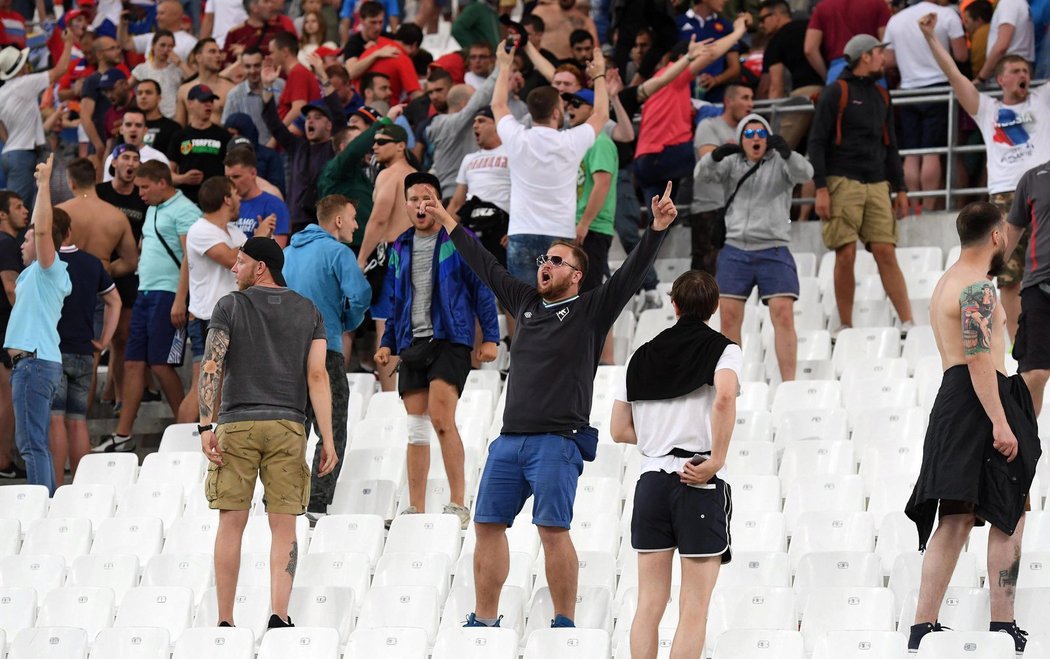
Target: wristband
[203,429]
[597,76]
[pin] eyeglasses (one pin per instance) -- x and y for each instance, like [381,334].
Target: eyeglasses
[574,103]
[555,261]
[751,133]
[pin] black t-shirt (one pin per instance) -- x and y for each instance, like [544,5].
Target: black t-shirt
[102,105]
[10,260]
[159,133]
[785,47]
[130,204]
[76,326]
[629,99]
[357,44]
[203,149]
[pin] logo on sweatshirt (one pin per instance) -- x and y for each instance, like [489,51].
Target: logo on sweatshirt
[562,313]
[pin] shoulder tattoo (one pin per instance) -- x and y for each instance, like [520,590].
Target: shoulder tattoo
[976,303]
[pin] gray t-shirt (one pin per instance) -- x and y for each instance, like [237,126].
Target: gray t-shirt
[270,332]
[422,284]
[709,196]
[1031,210]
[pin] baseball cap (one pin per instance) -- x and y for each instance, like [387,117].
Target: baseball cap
[318,106]
[369,114]
[240,142]
[201,93]
[110,79]
[327,51]
[485,111]
[121,149]
[583,96]
[269,252]
[394,132]
[858,45]
[422,178]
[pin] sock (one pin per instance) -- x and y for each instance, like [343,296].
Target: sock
[488,622]
[121,438]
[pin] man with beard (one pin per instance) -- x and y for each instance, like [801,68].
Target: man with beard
[560,18]
[981,444]
[196,151]
[133,131]
[159,129]
[209,64]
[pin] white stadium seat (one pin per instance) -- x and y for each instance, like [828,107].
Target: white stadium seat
[388,642]
[300,642]
[168,607]
[117,469]
[217,642]
[25,503]
[132,643]
[972,645]
[118,573]
[88,608]
[50,643]
[759,644]
[567,644]
[94,502]
[476,643]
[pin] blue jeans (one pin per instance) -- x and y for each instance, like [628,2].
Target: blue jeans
[33,384]
[628,215]
[18,167]
[522,250]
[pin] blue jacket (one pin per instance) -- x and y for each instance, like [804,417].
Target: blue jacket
[458,296]
[322,269]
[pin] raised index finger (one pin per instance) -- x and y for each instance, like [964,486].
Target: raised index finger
[667,192]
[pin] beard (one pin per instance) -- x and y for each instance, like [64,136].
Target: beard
[998,264]
[553,289]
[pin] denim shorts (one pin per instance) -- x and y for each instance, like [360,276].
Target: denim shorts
[772,270]
[545,466]
[151,336]
[197,331]
[522,250]
[74,387]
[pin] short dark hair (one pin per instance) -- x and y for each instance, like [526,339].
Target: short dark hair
[160,34]
[61,225]
[535,22]
[578,254]
[82,173]
[980,10]
[368,79]
[240,155]
[150,81]
[198,48]
[134,109]
[154,170]
[285,41]
[253,50]
[976,221]
[331,205]
[336,71]
[695,293]
[780,6]
[579,36]
[1011,59]
[481,45]
[5,200]
[542,102]
[438,74]
[409,34]
[371,9]
[213,193]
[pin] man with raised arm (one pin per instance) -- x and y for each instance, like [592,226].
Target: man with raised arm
[981,445]
[546,437]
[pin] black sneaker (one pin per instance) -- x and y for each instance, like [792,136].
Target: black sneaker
[225,624]
[114,444]
[920,630]
[150,396]
[277,623]
[12,472]
[1011,628]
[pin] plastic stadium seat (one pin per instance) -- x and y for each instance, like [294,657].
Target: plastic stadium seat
[866,313]
[388,643]
[116,469]
[907,574]
[1038,647]
[1032,607]
[863,265]
[897,535]
[831,531]
[755,493]
[868,394]
[381,432]
[10,536]
[522,536]
[167,607]
[969,644]
[520,574]
[873,369]
[806,395]
[362,383]
[759,644]
[962,609]
[89,608]
[599,533]
[650,323]
[189,535]
[409,606]
[753,426]
[836,568]
[251,609]
[161,500]
[139,536]
[919,259]
[874,426]
[132,643]
[374,463]
[756,607]
[173,467]
[215,642]
[324,607]
[341,570]
[416,568]
[180,437]
[758,531]
[1036,531]
[194,571]
[118,573]
[17,609]
[597,569]
[66,537]
[384,405]
[608,462]
[753,396]
[567,644]
[41,572]
[26,503]
[815,457]
[490,381]
[593,610]
[813,345]
[823,494]
[254,569]
[862,645]
[197,505]
[338,533]
[806,264]
[461,603]
[300,642]
[365,497]
[752,458]
[1035,570]
[93,502]
[596,496]
[50,643]
[893,461]
[749,568]
[846,609]
[857,343]
[435,532]
[477,403]
[811,424]
[476,643]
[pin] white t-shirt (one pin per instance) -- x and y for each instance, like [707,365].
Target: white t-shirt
[1014,12]
[209,279]
[228,15]
[1016,137]
[146,154]
[184,43]
[543,165]
[914,58]
[487,176]
[683,422]
[18,111]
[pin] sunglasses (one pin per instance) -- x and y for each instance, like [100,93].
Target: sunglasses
[751,133]
[385,141]
[555,261]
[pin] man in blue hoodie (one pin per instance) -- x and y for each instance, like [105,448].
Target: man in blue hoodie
[322,269]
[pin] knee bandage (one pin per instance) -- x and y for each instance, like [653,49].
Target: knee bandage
[418,429]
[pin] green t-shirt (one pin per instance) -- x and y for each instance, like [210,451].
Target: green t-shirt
[601,157]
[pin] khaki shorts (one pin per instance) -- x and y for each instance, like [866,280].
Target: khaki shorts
[275,451]
[859,211]
[1013,273]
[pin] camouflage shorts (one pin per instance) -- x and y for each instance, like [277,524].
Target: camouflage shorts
[1014,270]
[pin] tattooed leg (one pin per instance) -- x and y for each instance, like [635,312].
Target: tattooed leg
[284,557]
[1004,562]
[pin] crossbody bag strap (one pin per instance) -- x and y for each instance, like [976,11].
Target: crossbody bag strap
[740,183]
[167,248]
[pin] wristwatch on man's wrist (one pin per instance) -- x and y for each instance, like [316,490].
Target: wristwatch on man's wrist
[203,429]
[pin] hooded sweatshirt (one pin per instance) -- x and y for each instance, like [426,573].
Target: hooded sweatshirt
[760,215]
[322,269]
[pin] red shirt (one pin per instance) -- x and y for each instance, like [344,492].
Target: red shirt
[247,36]
[667,117]
[299,85]
[402,73]
[841,20]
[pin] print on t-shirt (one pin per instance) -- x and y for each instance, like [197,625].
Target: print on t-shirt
[201,146]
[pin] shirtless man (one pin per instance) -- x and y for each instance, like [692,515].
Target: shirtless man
[978,430]
[209,64]
[561,17]
[388,220]
[99,228]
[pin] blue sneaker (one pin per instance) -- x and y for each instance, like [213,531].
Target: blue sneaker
[472,621]
[562,621]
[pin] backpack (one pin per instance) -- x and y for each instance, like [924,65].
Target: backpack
[844,101]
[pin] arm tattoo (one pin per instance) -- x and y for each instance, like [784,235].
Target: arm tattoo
[211,372]
[977,302]
[293,559]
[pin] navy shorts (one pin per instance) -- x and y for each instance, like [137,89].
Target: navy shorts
[923,125]
[772,270]
[519,466]
[151,336]
[669,514]
[74,387]
[522,250]
[197,331]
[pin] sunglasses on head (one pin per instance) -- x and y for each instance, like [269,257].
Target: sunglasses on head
[751,133]
[555,261]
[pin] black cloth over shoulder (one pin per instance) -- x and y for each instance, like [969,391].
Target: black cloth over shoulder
[681,359]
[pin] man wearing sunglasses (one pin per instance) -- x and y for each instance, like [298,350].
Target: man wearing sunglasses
[546,435]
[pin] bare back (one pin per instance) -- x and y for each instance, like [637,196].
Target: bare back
[98,227]
[391,181]
[947,310]
[558,25]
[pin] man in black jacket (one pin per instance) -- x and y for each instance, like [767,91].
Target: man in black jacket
[853,148]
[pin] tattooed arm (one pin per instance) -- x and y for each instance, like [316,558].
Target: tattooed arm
[977,306]
[212,365]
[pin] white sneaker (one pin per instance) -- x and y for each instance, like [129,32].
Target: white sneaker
[113,444]
[411,510]
[462,512]
[905,328]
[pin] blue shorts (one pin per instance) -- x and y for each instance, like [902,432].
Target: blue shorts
[772,270]
[545,466]
[151,336]
[197,331]
[522,250]
[74,387]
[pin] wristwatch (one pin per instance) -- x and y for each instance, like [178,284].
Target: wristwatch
[203,429]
